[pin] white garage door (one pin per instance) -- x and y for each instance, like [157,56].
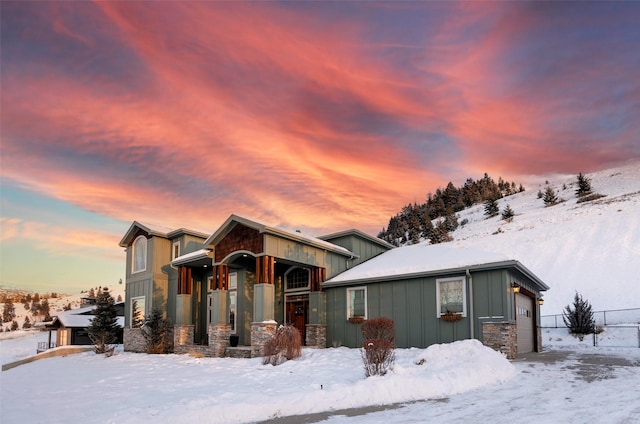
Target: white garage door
[524,322]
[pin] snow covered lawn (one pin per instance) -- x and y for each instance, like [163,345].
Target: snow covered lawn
[460,380]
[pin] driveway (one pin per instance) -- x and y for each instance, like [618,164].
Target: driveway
[553,386]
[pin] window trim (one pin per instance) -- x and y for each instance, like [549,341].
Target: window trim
[462,278]
[366,307]
[301,288]
[133,254]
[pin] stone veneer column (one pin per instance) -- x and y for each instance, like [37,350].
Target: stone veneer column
[316,335]
[501,336]
[133,340]
[219,339]
[182,335]
[260,333]
[539,337]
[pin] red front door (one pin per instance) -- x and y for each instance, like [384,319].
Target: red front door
[296,313]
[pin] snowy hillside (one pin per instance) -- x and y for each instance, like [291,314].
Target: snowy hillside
[592,247]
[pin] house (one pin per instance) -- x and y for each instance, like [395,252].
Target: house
[439,294]
[71,326]
[236,285]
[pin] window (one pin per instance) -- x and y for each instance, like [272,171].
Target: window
[451,296]
[298,279]
[233,303]
[139,255]
[137,312]
[357,302]
[175,250]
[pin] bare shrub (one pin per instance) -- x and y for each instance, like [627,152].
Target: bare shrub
[378,356]
[379,329]
[284,345]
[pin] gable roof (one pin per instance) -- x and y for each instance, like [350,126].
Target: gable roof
[233,220]
[79,318]
[424,260]
[157,230]
[358,233]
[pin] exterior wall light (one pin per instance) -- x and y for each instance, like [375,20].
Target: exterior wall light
[541,301]
[515,287]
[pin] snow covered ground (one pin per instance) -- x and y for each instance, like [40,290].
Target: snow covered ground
[462,380]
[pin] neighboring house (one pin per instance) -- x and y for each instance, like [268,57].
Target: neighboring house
[71,326]
[439,294]
[239,283]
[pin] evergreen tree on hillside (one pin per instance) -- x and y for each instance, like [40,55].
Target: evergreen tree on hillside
[14,325]
[27,323]
[508,213]
[103,329]
[584,186]
[580,319]
[8,311]
[550,197]
[491,208]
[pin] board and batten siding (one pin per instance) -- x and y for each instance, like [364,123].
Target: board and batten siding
[412,305]
[362,249]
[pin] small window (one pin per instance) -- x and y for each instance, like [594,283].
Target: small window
[175,250]
[233,300]
[298,279]
[139,255]
[451,296]
[137,311]
[357,302]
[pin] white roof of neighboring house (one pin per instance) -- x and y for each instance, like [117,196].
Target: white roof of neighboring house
[423,258]
[80,317]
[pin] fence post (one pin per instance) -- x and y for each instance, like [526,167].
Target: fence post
[605,318]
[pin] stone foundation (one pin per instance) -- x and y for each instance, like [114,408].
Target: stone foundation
[501,336]
[539,337]
[133,340]
[218,339]
[316,335]
[260,333]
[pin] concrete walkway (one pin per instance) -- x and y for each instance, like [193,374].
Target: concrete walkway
[587,366]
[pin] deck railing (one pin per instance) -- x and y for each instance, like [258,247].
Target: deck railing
[43,346]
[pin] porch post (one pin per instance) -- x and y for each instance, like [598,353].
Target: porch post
[219,328]
[316,329]
[263,326]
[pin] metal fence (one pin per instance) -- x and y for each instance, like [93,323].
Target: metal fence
[603,318]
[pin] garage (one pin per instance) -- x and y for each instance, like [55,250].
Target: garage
[524,323]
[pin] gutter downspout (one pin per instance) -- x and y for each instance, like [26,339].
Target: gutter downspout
[471,318]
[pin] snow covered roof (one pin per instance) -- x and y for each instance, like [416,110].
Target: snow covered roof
[291,235]
[421,259]
[193,256]
[80,317]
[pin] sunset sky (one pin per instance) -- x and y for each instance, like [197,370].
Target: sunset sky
[319,116]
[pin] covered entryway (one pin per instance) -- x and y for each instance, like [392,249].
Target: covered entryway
[525,323]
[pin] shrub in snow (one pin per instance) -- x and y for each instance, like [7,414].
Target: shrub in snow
[284,345]
[14,325]
[379,329]
[103,329]
[378,351]
[378,356]
[580,319]
[157,332]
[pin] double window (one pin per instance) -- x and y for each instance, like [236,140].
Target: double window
[451,295]
[357,302]
[139,257]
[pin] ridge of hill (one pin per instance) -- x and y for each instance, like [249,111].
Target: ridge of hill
[591,247]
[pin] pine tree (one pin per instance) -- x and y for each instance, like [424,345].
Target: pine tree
[491,208]
[157,333]
[9,311]
[27,323]
[508,213]
[580,319]
[103,330]
[584,186]
[550,197]
[14,325]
